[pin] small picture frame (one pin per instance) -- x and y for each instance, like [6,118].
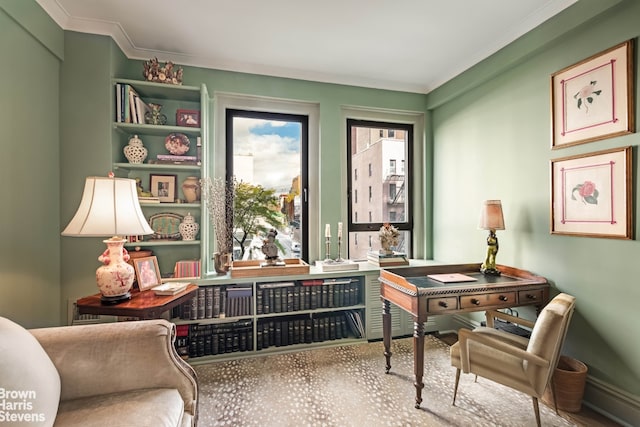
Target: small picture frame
[593,99]
[147,272]
[188,118]
[591,194]
[164,187]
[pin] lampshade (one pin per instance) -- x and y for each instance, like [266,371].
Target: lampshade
[109,207]
[491,217]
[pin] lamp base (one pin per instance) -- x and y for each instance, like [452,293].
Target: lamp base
[113,300]
[490,271]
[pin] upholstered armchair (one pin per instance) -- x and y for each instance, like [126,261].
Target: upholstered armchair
[108,374]
[526,365]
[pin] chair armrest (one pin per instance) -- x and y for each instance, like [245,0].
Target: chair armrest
[114,357]
[466,335]
[491,315]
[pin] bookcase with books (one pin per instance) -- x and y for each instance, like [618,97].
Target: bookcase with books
[175,140]
[272,315]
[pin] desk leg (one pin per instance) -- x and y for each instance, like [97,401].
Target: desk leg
[386,333]
[418,359]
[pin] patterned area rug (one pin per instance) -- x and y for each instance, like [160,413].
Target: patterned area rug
[347,386]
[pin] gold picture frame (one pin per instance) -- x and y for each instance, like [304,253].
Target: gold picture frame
[593,99]
[147,272]
[591,194]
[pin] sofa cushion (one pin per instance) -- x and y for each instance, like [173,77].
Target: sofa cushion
[30,384]
[141,408]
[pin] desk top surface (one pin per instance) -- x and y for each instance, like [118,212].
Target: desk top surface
[416,280]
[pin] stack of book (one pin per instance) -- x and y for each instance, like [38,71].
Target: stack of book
[173,159]
[130,108]
[148,200]
[382,260]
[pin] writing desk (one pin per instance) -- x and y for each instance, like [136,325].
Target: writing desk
[143,305]
[410,289]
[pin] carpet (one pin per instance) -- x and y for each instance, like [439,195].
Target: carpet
[347,386]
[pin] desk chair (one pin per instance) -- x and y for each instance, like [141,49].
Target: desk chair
[526,365]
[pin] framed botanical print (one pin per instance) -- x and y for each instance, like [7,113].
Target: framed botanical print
[591,194]
[593,99]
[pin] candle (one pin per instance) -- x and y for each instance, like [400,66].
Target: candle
[327,231]
[339,230]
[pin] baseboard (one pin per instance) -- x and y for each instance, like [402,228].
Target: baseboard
[599,396]
[612,402]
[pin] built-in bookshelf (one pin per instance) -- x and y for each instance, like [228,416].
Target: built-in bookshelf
[132,99]
[262,316]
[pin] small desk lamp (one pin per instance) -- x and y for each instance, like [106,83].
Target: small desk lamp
[491,219]
[110,207]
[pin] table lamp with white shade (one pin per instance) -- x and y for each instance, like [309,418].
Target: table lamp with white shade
[491,219]
[110,207]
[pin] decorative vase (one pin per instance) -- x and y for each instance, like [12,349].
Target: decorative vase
[191,189]
[189,227]
[115,276]
[222,262]
[154,116]
[135,152]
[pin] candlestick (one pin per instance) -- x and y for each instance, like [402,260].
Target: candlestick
[327,231]
[339,259]
[327,258]
[339,230]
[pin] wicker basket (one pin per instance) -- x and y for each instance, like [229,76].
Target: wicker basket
[569,377]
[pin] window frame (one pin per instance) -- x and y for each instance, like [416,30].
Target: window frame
[408,224]
[231,113]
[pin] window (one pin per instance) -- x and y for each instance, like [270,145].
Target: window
[388,186]
[267,154]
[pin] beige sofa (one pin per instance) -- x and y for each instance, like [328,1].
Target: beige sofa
[111,374]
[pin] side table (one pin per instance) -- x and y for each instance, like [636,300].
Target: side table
[143,305]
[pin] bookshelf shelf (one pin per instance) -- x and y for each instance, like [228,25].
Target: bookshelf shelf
[130,104]
[150,243]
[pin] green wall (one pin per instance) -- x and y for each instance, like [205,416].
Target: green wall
[492,140]
[29,166]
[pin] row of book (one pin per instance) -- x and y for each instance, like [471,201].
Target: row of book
[212,302]
[305,330]
[198,340]
[130,108]
[284,297]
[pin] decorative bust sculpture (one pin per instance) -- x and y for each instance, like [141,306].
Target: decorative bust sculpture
[270,249]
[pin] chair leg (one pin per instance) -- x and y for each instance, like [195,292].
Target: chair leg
[455,388]
[553,395]
[536,409]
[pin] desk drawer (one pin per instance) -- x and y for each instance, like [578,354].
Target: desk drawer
[440,305]
[506,299]
[530,297]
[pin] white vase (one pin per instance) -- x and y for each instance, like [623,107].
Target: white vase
[189,228]
[135,152]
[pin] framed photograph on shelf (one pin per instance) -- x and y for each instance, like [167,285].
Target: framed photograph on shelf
[147,272]
[593,99]
[591,194]
[189,118]
[163,187]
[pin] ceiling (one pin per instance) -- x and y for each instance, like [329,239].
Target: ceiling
[406,45]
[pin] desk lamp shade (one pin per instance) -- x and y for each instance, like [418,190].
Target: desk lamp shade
[110,207]
[492,219]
